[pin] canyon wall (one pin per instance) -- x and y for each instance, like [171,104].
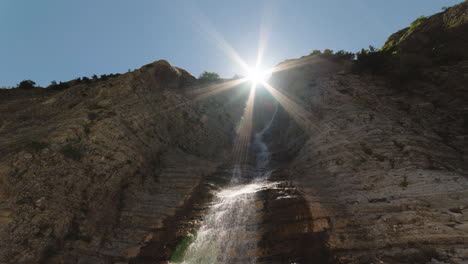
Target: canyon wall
[91,173]
[381,160]
[369,159]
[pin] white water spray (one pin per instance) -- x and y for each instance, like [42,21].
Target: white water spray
[228,232]
[263,157]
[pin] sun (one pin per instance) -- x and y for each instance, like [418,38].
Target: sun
[256,75]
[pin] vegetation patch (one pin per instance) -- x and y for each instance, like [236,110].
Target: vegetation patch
[390,45]
[379,157]
[94,106]
[27,84]
[74,233]
[58,86]
[404,183]
[334,56]
[400,146]
[71,152]
[17,173]
[413,27]
[208,77]
[373,60]
[24,200]
[37,145]
[110,156]
[424,254]
[87,129]
[92,116]
[179,252]
[366,149]
[48,252]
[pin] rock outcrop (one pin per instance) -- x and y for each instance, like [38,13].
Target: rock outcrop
[90,173]
[381,164]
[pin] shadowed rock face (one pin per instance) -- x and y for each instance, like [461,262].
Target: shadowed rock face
[381,181]
[382,167]
[92,172]
[289,234]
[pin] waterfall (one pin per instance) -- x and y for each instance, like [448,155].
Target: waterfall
[228,233]
[262,162]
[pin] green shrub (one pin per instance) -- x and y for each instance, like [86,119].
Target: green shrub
[404,183]
[87,129]
[74,233]
[181,248]
[27,84]
[94,106]
[48,252]
[425,254]
[389,46]
[24,200]
[17,173]
[418,21]
[328,52]
[58,86]
[92,116]
[342,55]
[71,152]
[208,76]
[372,60]
[37,145]
[366,149]
[413,27]
[315,52]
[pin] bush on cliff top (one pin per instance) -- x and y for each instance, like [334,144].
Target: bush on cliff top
[71,152]
[27,84]
[208,76]
[338,56]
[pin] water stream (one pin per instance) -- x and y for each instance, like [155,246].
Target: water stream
[228,233]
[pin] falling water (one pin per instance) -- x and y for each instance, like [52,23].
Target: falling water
[228,232]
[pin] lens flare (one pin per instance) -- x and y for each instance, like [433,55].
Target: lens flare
[257,76]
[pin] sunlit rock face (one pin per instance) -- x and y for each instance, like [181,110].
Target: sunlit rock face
[91,173]
[382,166]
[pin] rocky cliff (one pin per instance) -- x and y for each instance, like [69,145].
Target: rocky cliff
[382,163]
[369,158]
[90,173]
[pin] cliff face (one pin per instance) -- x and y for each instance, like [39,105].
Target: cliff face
[382,165]
[90,172]
[370,166]
[433,40]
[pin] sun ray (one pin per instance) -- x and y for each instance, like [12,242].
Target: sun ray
[287,65]
[306,120]
[264,34]
[242,142]
[215,88]
[203,93]
[210,30]
[297,112]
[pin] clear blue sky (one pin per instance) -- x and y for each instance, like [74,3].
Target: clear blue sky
[47,40]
